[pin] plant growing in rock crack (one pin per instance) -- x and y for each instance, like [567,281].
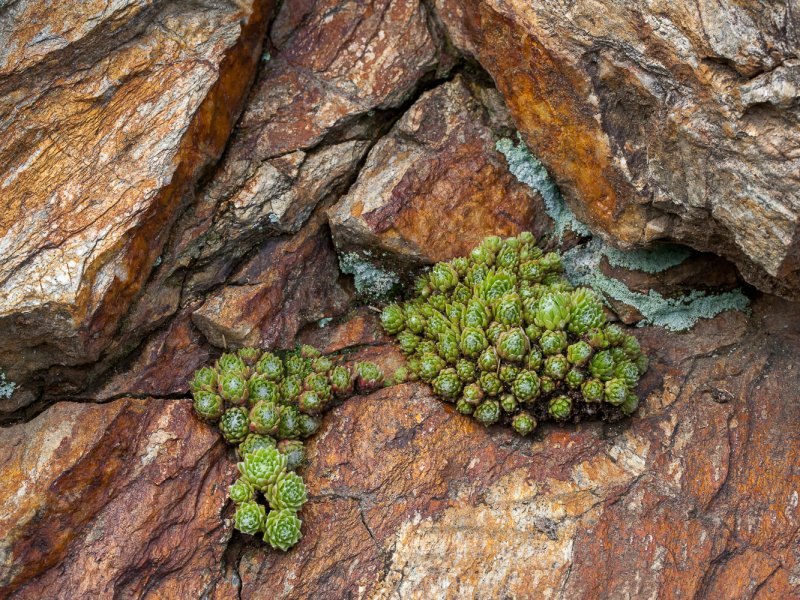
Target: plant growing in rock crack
[505,337]
[265,404]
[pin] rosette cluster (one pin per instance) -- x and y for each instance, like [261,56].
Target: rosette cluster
[266,404]
[503,335]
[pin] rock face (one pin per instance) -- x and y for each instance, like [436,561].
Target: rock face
[695,497]
[108,114]
[130,257]
[122,499]
[660,121]
[439,159]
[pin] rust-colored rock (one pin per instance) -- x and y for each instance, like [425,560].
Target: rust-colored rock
[108,114]
[671,120]
[694,497]
[435,185]
[323,97]
[291,282]
[113,500]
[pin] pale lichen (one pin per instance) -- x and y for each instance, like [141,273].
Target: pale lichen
[527,169]
[372,281]
[6,387]
[582,263]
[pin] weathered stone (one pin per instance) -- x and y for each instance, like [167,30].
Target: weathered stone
[319,103]
[108,115]
[291,282]
[162,366]
[120,499]
[660,121]
[695,496]
[435,186]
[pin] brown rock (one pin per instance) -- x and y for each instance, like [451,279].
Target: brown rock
[162,366]
[291,282]
[660,121]
[695,496]
[122,499]
[319,103]
[435,186]
[108,114]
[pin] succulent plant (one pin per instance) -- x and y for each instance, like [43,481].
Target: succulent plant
[487,412]
[289,424]
[230,362]
[286,396]
[291,388]
[250,517]
[602,365]
[253,442]
[447,384]
[260,388]
[307,425]
[319,384]
[393,319]
[508,402]
[615,392]
[241,491]
[556,367]
[208,406]
[370,376]
[311,402]
[523,423]
[579,353]
[234,425]
[295,453]
[490,383]
[501,333]
[513,345]
[262,467]
[233,387]
[552,342]
[282,529]
[593,390]
[205,379]
[526,386]
[430,365]
[265,417]
[288,491]
[270,366]
[250,356]
[560,407]
[552,311]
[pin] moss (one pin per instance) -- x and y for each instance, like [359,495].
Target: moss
[6,387]
[372,281]
[582,262]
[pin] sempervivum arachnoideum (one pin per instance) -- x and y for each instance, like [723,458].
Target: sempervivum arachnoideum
[234,425]
[288,491]
[502,334]
[282,529]
[369,376]
[262,467]
[250,517]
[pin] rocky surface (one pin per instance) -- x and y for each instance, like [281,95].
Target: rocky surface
[439,159]
[370,129]
[659,120]
[112,500]
[694,497]
[109,112]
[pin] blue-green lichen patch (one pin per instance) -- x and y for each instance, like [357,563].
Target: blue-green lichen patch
[530,171]
[582,263]
[6,387]
[372,281]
